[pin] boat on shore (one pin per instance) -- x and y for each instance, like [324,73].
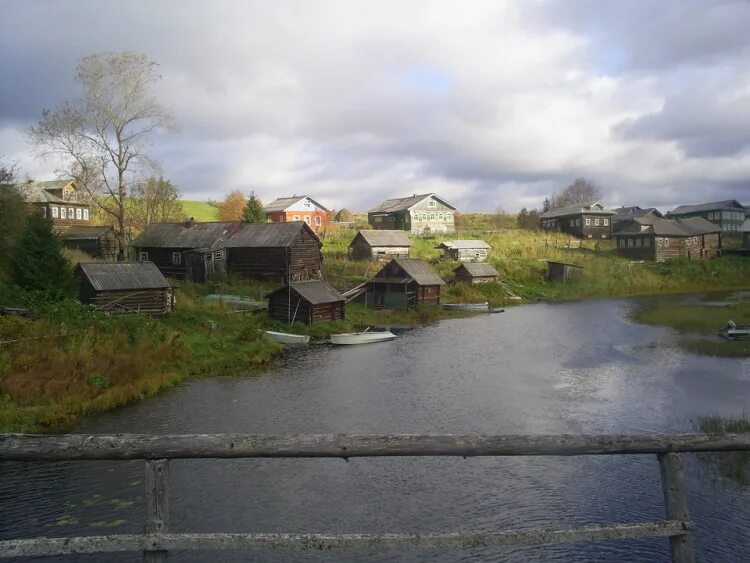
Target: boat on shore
[241,302]
[348,338]
[287,338]
[734,332]
[483,307]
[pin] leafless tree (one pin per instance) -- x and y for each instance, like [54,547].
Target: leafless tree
[580,191]
[102,138]
[155,200]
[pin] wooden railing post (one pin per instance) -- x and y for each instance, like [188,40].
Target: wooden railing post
[675,500]
[157,505]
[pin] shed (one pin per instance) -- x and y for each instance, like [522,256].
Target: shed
[380,244]
[562,271]
[307,301]
[98,241]
[466,250]
[403,283]
[475,272]
[121,288]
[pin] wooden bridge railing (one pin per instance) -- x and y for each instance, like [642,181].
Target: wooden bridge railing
[156,542]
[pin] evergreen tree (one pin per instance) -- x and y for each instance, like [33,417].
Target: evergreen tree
[13,211]
[39,263]
[253,210]
[547,205]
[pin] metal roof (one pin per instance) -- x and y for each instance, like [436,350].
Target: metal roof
[405,203]
[283,203]
[123,276]
[186,235]
[37,192]
[86,231]
[384,238]
[713,206]
[478,269]
[419,271]
[577,209]
[316,292]
[268,235]
[465,244]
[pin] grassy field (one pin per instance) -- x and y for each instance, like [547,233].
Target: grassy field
[201,210]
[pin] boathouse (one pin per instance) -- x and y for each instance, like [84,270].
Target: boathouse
[98,241]
[475,272]
[371,245]
[562,271]
[125,288]
[309,302]
[466,250]
[403,283]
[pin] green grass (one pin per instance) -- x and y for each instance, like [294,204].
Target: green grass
[200,210]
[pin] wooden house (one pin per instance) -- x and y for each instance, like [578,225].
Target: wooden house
[562,271]
[419,214]
[728,215]
[582,220]
[403,283]
[98,241]
[298,208]
[475,272]
[125,288]
[61,201]
[662,239]
[746,234]
[466,250]
[625,214]
[309,302]
[371,245]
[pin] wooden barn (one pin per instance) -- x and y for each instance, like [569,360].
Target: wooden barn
[661,239]
[98,241]
[371,245]
[466,250]
[562,271]
[309,302]
[275,251]
[403,283]
[125,288]
[475,272]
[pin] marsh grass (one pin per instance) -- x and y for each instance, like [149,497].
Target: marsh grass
[733,466]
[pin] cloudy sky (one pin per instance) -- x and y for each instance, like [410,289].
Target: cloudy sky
[491,104]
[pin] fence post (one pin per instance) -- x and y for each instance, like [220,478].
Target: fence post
[675,500]
[157,505]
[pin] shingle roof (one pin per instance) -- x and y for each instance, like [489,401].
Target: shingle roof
[178,235]
[315,292]
[465,244]
[713,206]
[86,231]
[667,227]
[283,203]
[404,203]
[267,235]
[123,276]
[576,209]
[698,226]
[419,271]
[385,238]
[478,269]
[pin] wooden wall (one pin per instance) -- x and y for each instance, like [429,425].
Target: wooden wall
[282,307]
[150,302]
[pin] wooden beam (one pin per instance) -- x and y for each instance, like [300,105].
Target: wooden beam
[40,547]
[675,500]
[28,447]
[157,506]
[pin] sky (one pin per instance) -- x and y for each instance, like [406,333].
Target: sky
[491,104]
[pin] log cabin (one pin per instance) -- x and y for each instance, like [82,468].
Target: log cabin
[419,214]
[98,241]
[125,288]
[61,201]
[583,220]
[625,214]
[728,215]
[466,250]
[661,239]
[371,245]
[309,302]
[475,272]
[403,283]
[298,208]
[746,234]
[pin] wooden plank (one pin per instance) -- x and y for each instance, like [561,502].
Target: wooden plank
[675,500]
[31,447]
[157,506]
[40,547]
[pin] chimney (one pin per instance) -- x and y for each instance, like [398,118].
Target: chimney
[189,222]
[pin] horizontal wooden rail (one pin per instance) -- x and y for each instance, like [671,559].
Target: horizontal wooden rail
[39,547]
[27,447]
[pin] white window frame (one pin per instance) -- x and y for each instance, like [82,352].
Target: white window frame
[318,221]
[55,212]
[431,203]
[432,216]
[596,222]
[79,213]
[143,256]
[177,258]
[85,214]
[666,241]
[218,255]
[307,219]
[295,217]
[588,221]
[71,213]
[448,217]
[605,222]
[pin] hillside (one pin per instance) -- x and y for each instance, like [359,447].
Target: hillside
[200,210]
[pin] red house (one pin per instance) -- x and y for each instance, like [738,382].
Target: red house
[298,208]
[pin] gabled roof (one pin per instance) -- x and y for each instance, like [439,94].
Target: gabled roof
[385,238]
[464,244]
[316,292]
[268,235]
[37,192]
[478,269]
[405,203]
[577,209]
[283,203]
[86,231]
[123,276]
[419,270]
[745,226]
[698,226]
[669,228]
[634,212]
[187,235]
[713,206]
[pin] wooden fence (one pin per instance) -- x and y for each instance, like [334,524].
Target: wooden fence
[156,542]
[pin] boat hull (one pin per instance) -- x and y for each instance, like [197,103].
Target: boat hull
[350,338]
[286,338]
[484,307]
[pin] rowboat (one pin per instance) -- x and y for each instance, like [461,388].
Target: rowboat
[734,332]
[286,338]
[484,307]
[361,337]
[237,301]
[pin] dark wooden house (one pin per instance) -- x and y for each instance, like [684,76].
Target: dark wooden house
[371,245]
[309,302]
[420,214]
[582,220]
[466,250]
[475,272]
[746,234]
[728,215]
[625,214]
[403,283]
[662,239]
[125,288]
[98,241]
[562,271]
[61,201]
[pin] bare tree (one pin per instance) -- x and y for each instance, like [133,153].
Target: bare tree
[155,200]
[102,137]
[580,191]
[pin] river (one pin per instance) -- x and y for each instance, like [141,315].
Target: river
[549,368]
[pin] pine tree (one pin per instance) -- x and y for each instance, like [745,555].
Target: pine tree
[253,210]
[39,263]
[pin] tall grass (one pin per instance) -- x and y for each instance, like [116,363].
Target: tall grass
[734,466]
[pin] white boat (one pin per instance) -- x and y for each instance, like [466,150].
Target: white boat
[361,337]
[466,306]
[286,338]
[735,332]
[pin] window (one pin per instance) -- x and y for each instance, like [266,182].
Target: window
[176,258]
[378,219]
[307,219]
[440,216]
[432,216]
[596,222]
[143,256]
[306,203]
[71,213]
[621,243]
[318,221]
[219,255]
[605,222]
[666,242]
[431,203]
[630,243]
[638,242]
[588,222]
[79,214]
[85,214]
[448,217]
[296,218]
[55,214]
